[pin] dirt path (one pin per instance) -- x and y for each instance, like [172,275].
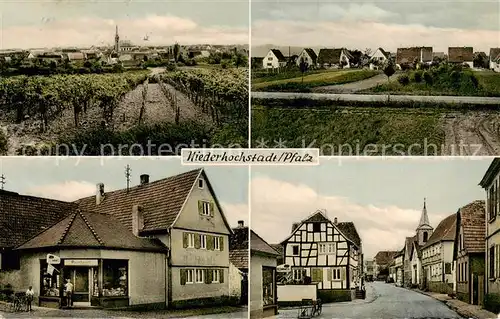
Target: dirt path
[472,134]
[355,86]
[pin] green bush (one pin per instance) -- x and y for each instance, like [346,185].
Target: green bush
[492,302]
[417,76]
[428,77]
[404,79]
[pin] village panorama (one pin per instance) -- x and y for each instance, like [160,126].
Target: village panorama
[72,101]
[447,98]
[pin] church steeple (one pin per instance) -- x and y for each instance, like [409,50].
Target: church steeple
[424,229]
[117,41]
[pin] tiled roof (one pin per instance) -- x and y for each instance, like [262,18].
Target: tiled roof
[279,55]
[385,257]
[460,54]
[312,54]
[409,55]
[330,56]
[318,216]
[22,217]
[89,229]
[445,231]
[239,258]
[494,52]
[278,247]
[473,225]
[259,245]
[161,201]
[348,229]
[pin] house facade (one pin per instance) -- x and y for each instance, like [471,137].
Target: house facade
[325,252]
[469,254]
[382,263]
[308,56]
[334,58]
[408,56]
[274,60]
[398,268]
[263,287]
[494,59]
[416,265]
[490,183]
[164,243]
[437,257]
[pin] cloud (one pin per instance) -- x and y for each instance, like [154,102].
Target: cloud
[235,213]
[64,191]
[277,204]
[366,34]
[88,31]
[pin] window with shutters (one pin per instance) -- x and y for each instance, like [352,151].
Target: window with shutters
[336,273]
[203,241]
[298,273]
[199,276]
[205,208]
[190,240]
[215,275]
[189,276]
[217,243]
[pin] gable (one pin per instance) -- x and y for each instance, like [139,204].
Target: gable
[191,217]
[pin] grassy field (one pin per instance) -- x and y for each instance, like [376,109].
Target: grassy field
[293,82]
[366,129]
[488,84]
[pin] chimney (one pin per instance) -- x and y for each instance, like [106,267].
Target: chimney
[335,221]
[144,179]
[99,194]
[241,223]
[137,219]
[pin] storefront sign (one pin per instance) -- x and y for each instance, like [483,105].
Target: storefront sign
[53,259]
[80,262]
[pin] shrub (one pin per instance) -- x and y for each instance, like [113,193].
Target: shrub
[224,64]
[492,302]
[455,76]
[427,77]
[417,76]
[404,79]
[171,67]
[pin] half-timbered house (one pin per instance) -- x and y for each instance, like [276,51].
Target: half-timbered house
[325,252]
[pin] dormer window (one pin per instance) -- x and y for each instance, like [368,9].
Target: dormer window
[201,183]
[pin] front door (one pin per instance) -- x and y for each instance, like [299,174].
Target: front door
[475,289]
[80,277]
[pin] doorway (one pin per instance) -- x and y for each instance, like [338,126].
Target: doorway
[81,278]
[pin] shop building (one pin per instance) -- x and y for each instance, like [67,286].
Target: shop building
[163,243]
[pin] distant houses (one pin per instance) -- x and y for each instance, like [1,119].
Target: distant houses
[274,60]
[495,59]
[461,55]
[413,55]
[334,58]
[308,56]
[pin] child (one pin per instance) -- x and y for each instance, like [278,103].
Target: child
[29,297]
[68,291]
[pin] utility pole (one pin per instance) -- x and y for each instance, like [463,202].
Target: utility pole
[127,175]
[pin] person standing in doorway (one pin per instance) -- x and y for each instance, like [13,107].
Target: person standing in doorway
[68,292]
[29,298]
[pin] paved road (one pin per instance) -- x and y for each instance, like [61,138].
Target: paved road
[355,86]
[384,301]
[377,97]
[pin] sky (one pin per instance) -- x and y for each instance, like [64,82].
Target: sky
[371,24]
[69,179]
[384,198]
[53,23]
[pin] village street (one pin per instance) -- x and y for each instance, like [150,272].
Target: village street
[383,301]
[38,312]
[378,97]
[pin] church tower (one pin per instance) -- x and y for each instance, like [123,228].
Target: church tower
[117,41]
[424,229]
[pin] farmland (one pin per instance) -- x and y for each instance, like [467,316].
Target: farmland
[137,107]
[292,81]
[376,130]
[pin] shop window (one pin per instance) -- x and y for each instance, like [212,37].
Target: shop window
[268,285]
[50,281]
[115,278]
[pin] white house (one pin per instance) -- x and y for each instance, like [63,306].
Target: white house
[416,263]
[334,58]
[495,59]
[274,60]
[325,252]
[437,257]
[378,58]
[309,56]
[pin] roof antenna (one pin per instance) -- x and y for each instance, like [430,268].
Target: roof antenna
[127,175]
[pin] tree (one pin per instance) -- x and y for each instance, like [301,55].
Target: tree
[356,57]
[177,49]
[303,67]
[239,59]
[389,69]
